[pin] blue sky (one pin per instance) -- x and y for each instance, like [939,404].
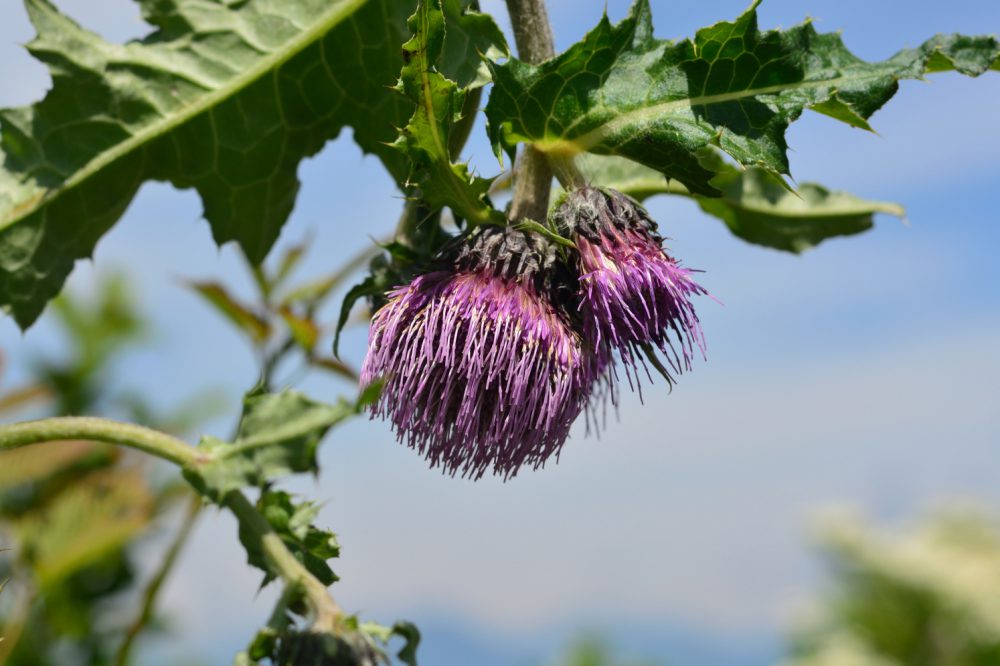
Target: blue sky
[863,372]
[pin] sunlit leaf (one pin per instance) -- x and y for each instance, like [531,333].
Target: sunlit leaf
[304,331]
[620,91]
[226,98]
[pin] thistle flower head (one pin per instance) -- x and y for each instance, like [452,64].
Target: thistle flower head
[481,364]
[633,296]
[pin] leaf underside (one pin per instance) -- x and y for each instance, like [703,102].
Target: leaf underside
[620,91]
[754,205]
[227,98]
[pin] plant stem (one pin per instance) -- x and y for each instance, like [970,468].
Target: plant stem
[289,569]
[156,583]
[533,174]
[161,445]
[93,429]
[532,32]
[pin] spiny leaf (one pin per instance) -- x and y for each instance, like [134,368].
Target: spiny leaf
[278,435]
[441,103]
[293,523]
[754,205]
[226,98]
[620,91]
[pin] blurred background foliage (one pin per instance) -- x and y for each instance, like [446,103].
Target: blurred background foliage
[74,513]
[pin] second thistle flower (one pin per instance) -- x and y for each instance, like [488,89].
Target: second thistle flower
[633,295]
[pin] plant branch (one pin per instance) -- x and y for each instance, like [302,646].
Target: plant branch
[94,429]
[533,174]
[161,445]
[289,569]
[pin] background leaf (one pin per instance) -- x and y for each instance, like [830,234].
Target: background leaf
[85,522]
[239,314]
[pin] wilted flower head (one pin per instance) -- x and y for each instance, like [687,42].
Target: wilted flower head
[632,294]
[482,366]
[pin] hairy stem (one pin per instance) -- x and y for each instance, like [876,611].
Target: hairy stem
[152,591]
[292,572]
[533,174]
[162,445]
[93,429]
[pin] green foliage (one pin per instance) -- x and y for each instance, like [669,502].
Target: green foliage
[927,597]
[94,517]
[228,98]
[754,205]
[442,103]
[74,508]
[623,92]
[293,523]
[225,98]
[278,435]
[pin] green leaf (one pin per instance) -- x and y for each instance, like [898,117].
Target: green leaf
[754,205]
[761,210]
[411,635]
[441,104]
[239,314]
[293,523]
[278,435]
[368,287]
[226,98]
[620,91]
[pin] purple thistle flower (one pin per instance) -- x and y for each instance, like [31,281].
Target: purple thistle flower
[481,364]
[632,294]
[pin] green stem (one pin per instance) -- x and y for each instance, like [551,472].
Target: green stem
[161,445]
[292,572]
[94,429]
[156,583]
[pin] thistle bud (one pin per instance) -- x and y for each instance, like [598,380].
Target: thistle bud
[633,296]
[482,365]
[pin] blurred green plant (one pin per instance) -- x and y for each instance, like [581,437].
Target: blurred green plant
[925,597]
[593,651]
[75,508]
